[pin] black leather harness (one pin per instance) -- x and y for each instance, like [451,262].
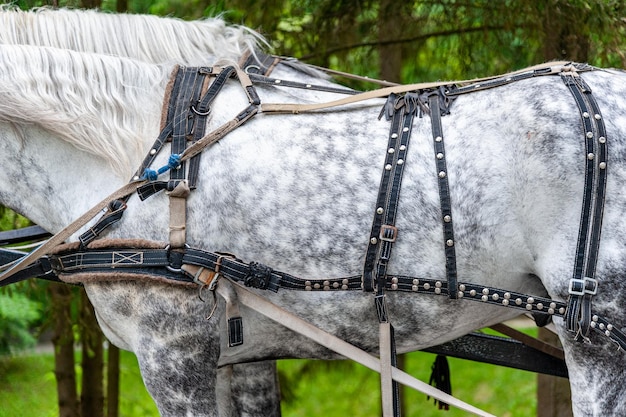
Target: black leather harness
[168,263]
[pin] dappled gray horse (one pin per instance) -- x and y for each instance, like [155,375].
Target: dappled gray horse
[298,193]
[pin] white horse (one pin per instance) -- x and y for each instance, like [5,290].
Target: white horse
[298,193]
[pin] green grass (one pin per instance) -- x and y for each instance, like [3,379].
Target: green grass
[314,388]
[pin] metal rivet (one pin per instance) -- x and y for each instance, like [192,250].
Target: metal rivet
[416,282]
[495,297]
[136,177]
[529,306]
[602,165]
[486,291]
[585,115]
[590,156]
[589,135]
[437,290]
[460,294]
[344,287]
[449,242]
[593,324]
[562,310]
[153,151]
[602,326]
[539,306]
[394,135]
[402,147]
[597,116]
[518,301]
[440,156]
[602,139]
[507,295]
[530,300]
[550,311]
[414,288]
[390,150]
[462,287]
[505,302]
[400,161]
[608,333]
[380,210]
[447,218]
[277,81]
[308,86]
[388,167]
[595,318]
[442,174]
[406,129]
[609,327]
[484,298]
[472,293]
[335,285]
[394,286]
[326,283]
[438,284]
[373,241]
[438,139]
[394,280]
[552,305]
[426,286]
[316,286]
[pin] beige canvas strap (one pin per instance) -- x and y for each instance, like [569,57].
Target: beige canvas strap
[296,324]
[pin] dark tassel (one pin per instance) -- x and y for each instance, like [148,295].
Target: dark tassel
[440,379]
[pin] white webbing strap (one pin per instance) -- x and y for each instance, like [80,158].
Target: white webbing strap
[386,380]
[296,324]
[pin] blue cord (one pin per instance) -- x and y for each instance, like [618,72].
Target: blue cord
[172,163]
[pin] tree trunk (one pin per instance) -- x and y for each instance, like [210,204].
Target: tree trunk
[63,341]
[92,395]
[390,54]
[121,6]
[553,393]
[91,4]
[113,381]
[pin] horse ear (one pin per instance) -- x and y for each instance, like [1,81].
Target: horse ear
[542,320]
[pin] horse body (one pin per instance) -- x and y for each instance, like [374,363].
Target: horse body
[298,193]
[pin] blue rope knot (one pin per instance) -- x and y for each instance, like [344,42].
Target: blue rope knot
[172,163]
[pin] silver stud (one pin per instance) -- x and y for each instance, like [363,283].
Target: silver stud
[327,283]
[335,285]
[439,155]
[437,290]
[484,298]
[316,286]
[595,318]
[403,147]
[394,280]
[518,301]
[406,129]
[495,297]
[460,294]
[530,300]
[486,291]
[505,302]
[507,295]
[277,81]
[602,326]
[400,161]
[344,281]
[394,135]
[602,165]
[552,305]
[472,293]
[550,311]
[609,327]
[438,284]
[416,282]
[449,242]
[438,139]
[539,306]
[586,115]
[602,139]
[344,287]
[589,135]
[135,178]
[414,288]
[608,333]
[380,210]
[308,86]
[590,156]
[373,241]
[593,324]
[153,151]
[447,218]
[390,150]
[562,310]
[442,174]
[388,167]
[529,306]
[462,287]
[394,286]
[597,116]
[426,286]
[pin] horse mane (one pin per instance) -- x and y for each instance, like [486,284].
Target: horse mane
[88,100]
[152,38]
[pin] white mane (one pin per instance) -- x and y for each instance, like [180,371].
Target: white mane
[89,100]
[144,37]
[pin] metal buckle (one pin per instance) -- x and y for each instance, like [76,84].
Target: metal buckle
[579,286]
[388,233]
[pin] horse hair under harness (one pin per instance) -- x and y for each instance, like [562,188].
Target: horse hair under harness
[191,92]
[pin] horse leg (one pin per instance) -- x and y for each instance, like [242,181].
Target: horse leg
[249,390]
